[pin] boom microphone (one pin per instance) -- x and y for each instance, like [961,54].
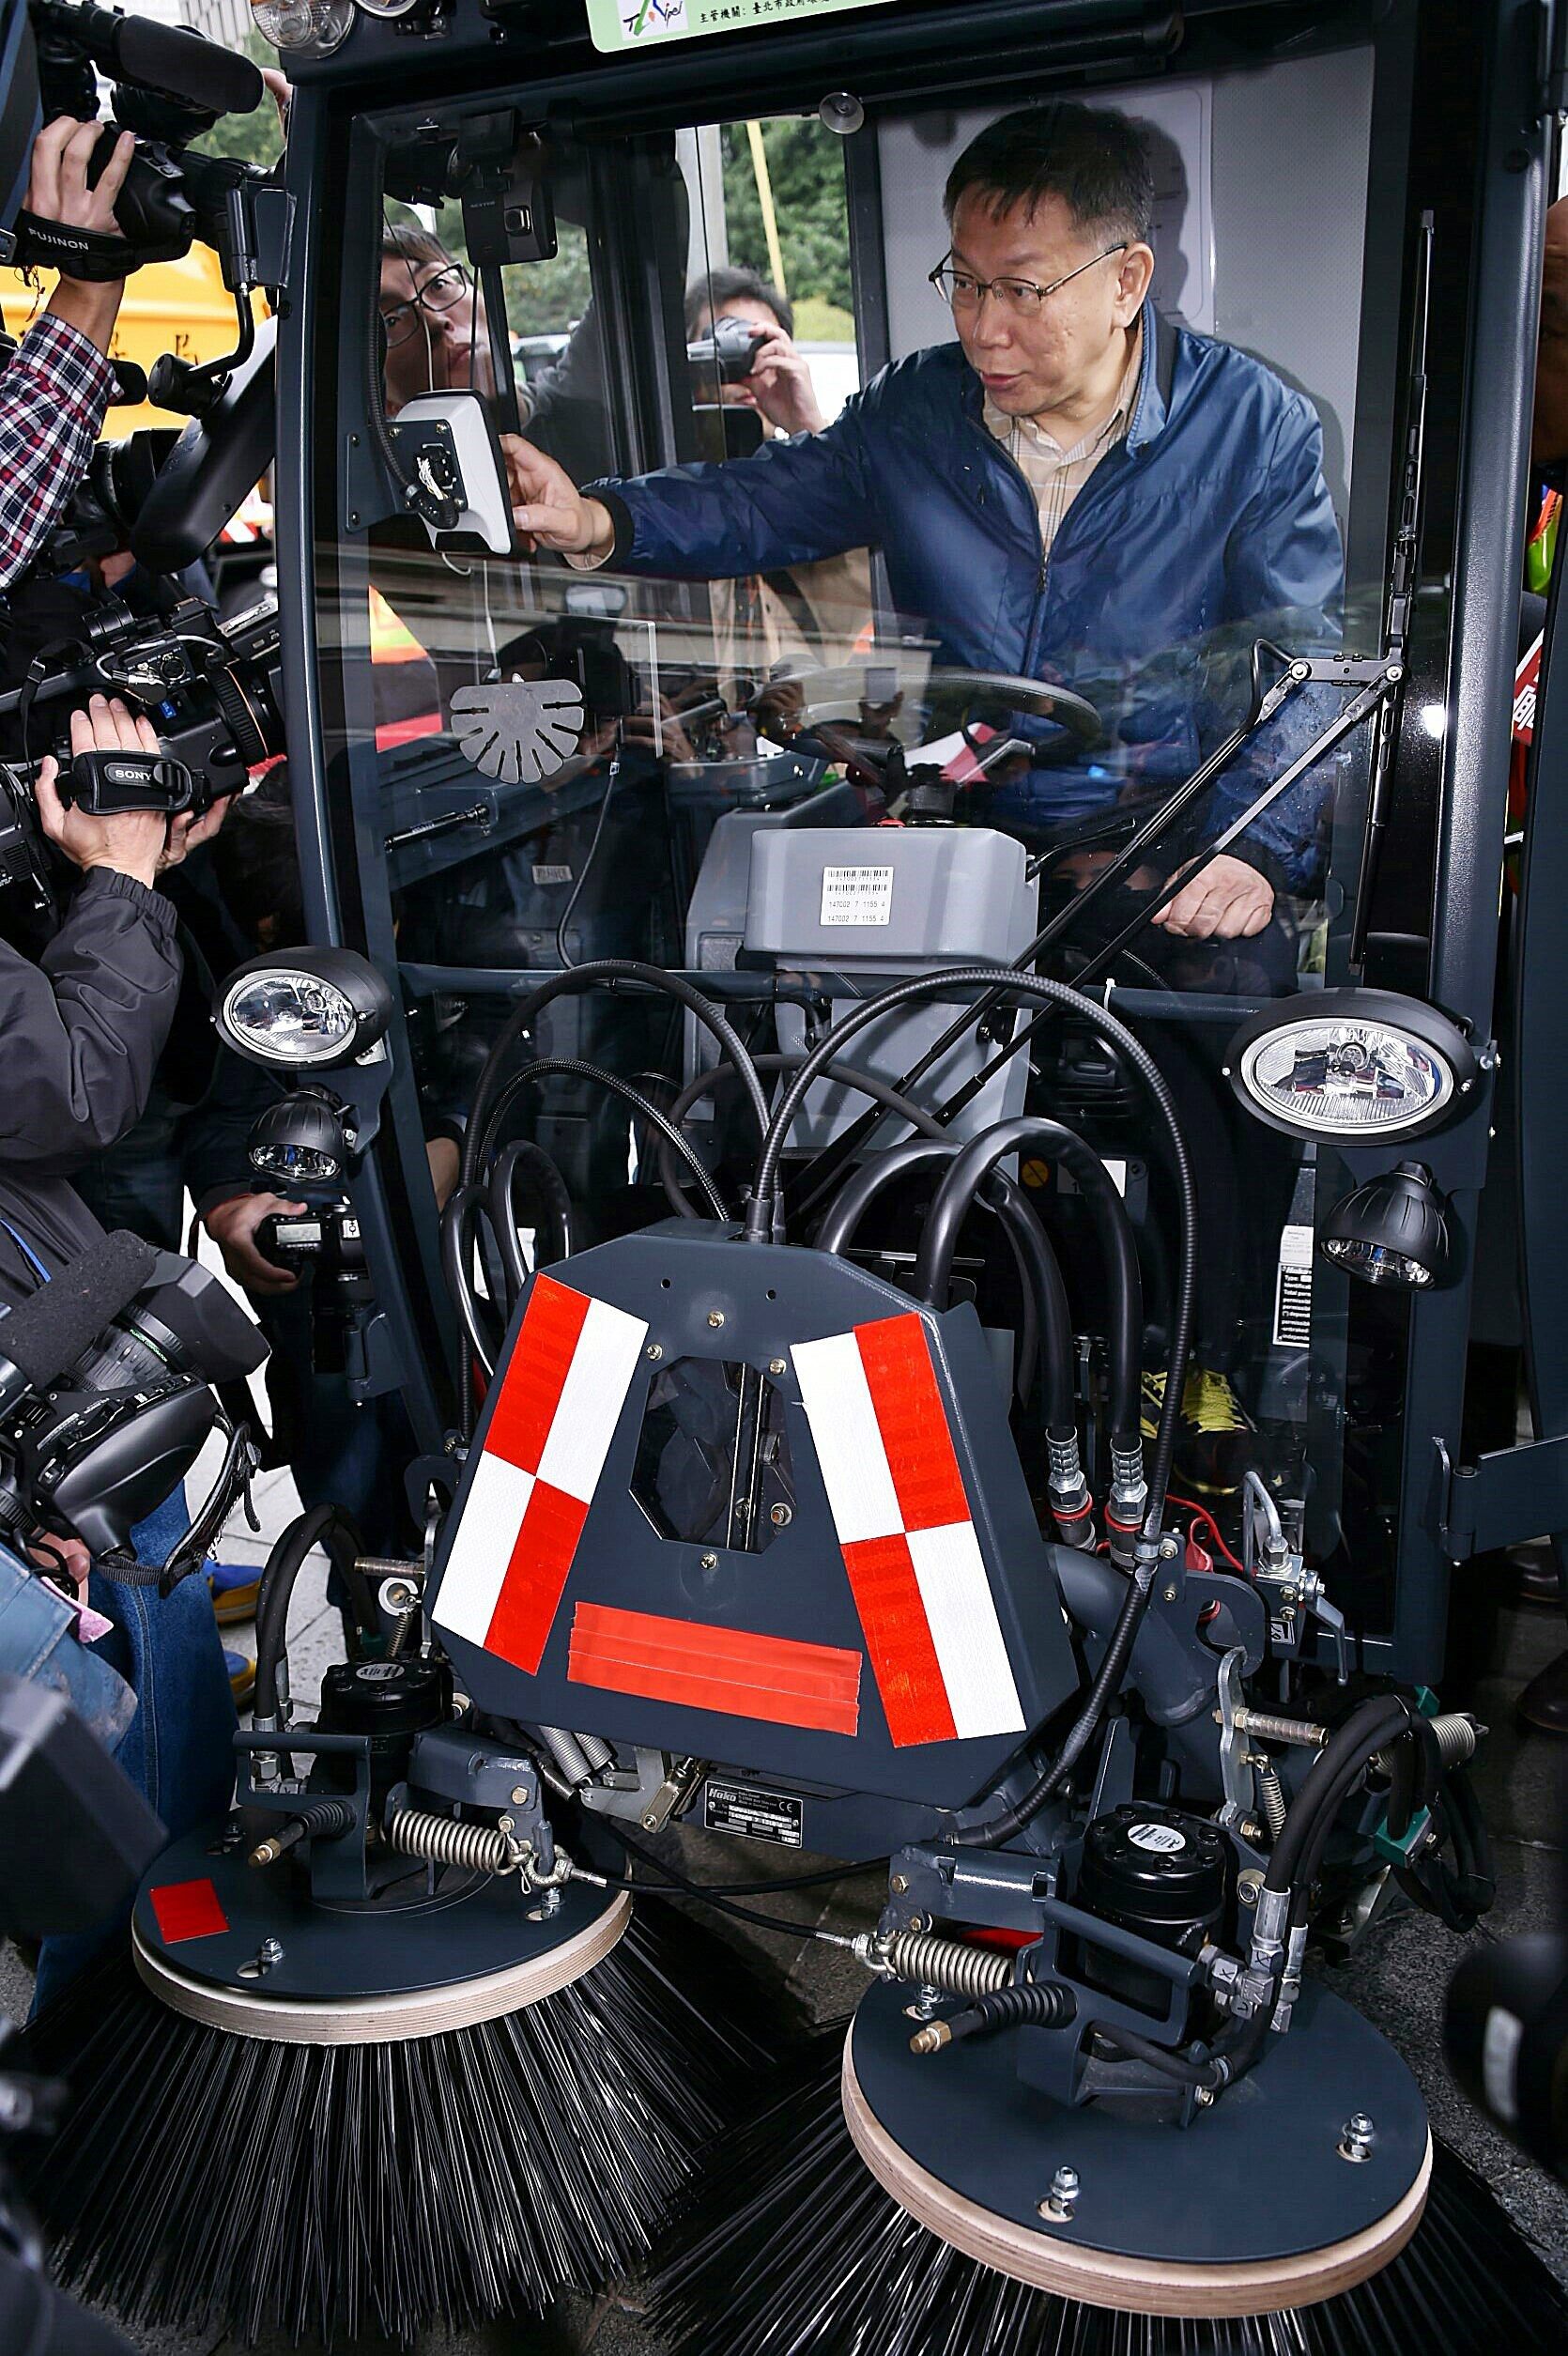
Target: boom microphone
[164,57]
[49,1329]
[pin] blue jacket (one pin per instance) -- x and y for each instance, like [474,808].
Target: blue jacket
[1208,526]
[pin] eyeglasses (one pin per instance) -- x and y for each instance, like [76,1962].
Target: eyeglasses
[960,291]
[442,292]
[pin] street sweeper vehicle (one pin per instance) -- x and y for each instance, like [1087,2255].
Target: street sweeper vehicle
[964,971]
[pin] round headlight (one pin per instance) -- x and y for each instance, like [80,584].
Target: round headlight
[305,1008]
[289,1018]
[1351,1064]
[317,25]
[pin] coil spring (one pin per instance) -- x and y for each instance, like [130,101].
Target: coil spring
[442,1841]
[952,1965]
[1457,1738]
[1271,1793]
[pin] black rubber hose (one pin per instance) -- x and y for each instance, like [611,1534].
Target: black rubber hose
[465,1205]
[1000,983]
[549,1195]
[1296,1853]
[585,977]
[995,1829]
[1029,1243]
[1028,2003]
[955,1199]
[725,1075]
[572,1066]
[326,1526]
[1162,2057]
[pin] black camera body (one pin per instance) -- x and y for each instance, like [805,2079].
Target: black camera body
[110,784]
[212,689]
[324,1246]
[170,86]
[730,346]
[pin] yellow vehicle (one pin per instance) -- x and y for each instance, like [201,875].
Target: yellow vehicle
[180,307]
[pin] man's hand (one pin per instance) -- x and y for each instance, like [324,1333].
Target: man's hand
[133,842]
[57,191]
[187,832]
[548,509]
[233,1228]
[1227,900]
[65,1559]
[780,387]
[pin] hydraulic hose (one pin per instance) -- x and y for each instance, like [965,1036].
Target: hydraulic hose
[326,1526]
[464,1207]
[724,1075]
[572,1066]
[1294,1861]
[547,1187]
[955,1199]
[1030,1245]
[1000,984]
[585,977]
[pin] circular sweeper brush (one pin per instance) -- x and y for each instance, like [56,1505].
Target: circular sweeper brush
[820,2226]
[334,2118]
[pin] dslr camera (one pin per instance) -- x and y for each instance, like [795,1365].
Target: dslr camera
[730,348]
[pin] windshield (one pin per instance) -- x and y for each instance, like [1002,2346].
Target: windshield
[913,660]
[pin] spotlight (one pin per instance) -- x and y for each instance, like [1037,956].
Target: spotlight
[1351,1064]
[307,1009]
[304,1139]
[297,26]
[1393,1230]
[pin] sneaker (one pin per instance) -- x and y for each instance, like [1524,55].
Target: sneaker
[235,1587]
[1215,1437]
[242,1676]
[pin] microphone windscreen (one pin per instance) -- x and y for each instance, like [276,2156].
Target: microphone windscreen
[49,1329]
[185,65]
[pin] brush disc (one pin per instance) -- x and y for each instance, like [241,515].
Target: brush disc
[788,2245]
[1166,2221]
[237,2183]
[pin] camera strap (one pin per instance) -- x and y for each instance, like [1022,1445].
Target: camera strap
[96,256]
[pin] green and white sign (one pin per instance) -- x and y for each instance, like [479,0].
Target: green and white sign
[622,24]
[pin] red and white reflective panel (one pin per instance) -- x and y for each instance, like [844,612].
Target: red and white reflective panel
[559,1400]
[906,1533]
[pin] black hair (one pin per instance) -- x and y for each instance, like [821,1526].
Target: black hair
[711,292]
[406,241]
[256,860]
[1095,159]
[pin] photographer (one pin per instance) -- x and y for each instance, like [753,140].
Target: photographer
[56,390]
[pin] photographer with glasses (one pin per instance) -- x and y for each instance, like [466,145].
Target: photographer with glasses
[1076,489]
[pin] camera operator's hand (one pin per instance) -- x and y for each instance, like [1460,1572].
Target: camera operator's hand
[547,507]
[57,191]
[233,1228]
[133,842]
[780,387]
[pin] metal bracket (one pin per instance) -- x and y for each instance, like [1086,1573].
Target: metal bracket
[1502,1499]
[1235,1765]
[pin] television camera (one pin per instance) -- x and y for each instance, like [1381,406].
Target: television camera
[170,86]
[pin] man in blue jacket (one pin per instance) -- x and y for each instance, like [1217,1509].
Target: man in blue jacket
[1076,490]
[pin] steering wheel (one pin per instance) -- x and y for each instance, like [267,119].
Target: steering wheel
[953,699]
[216,460]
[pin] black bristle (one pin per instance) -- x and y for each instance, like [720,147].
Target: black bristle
[787,2245]
[208,2180]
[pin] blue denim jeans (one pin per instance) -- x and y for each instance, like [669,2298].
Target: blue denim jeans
[179,1749]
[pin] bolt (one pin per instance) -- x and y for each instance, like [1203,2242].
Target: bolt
[1248,1830]
[1170,1594]
[656,1351]
[1058,2204]
[780,1516]
[1167,1549]
[898,1884]
[519,1798]
[710,1562]
[1204,2098]
[270,1951]
[1357,2137]
[549,1903]
[716,1317]
[775,1366]
[1248,1886]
